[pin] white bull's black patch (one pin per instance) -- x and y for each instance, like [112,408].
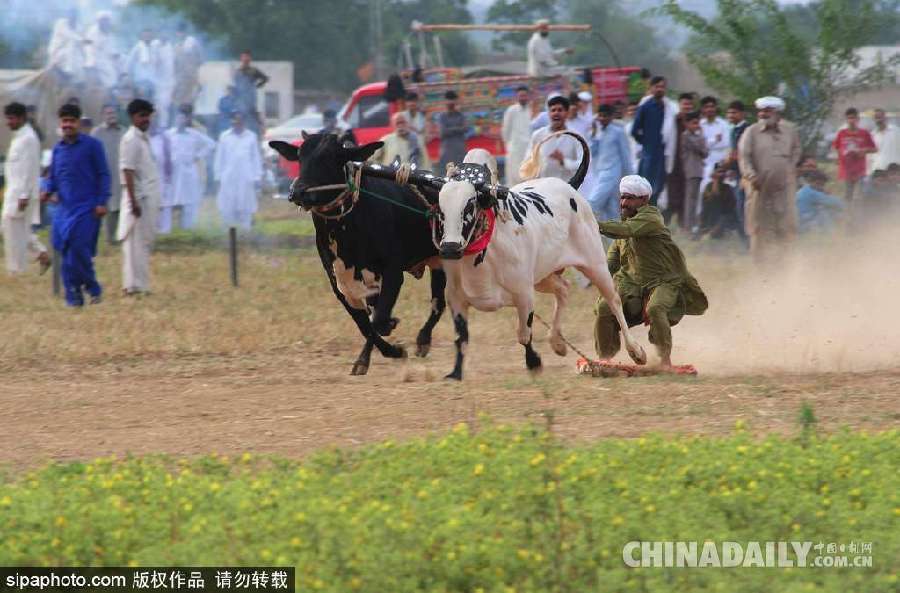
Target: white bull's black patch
[519,204]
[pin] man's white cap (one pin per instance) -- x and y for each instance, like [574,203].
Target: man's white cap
[635,185]
[542,22]
[585,96]
[553,95]
[770,102]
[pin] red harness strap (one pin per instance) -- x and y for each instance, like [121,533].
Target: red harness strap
[481,243]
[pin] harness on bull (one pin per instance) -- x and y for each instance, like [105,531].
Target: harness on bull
[351,189]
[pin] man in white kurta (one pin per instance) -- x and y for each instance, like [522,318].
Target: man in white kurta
[541,55]
[718,137]
[558,157]
[188,59]
[65,51]
[403,144]
[165,78]
[142,66]
[582,120]
[20,201]
[190,149]
[101,53]
[161,150]
[238,171]
[140,200]
[887,139]
[516,134]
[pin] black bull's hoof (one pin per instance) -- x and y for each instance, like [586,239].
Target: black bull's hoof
[359,368]
[397,351]
[422,350]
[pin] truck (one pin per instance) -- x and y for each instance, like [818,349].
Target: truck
[483,99]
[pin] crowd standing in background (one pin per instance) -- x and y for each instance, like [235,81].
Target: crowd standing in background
[708,175]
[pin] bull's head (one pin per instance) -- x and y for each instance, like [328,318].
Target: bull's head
[462,199]
[323,160]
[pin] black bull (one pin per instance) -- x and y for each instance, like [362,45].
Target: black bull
[372,233]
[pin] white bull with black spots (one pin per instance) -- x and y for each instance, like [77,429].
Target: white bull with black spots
[540,228]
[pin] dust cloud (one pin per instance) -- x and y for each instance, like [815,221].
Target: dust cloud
[829,304]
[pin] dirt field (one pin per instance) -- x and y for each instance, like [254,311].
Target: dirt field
[297,400]
[200,367]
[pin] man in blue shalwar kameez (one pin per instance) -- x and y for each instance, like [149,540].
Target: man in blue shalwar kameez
[79,176]
[611,161]
[649,130]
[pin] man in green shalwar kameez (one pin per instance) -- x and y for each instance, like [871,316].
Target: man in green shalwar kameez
[650,274]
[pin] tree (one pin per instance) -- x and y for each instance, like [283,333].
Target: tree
[327,41]
[755,48]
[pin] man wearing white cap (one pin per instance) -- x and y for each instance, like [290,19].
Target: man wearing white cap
[541,55]
[650,273]
[768,153]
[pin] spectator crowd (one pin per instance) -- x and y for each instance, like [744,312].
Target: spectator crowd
[133,175]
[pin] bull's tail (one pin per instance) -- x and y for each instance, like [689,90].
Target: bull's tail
[531,166]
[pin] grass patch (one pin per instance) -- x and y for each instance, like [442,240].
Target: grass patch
[500,510]
[296,227]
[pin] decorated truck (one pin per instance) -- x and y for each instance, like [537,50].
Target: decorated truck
[483,99]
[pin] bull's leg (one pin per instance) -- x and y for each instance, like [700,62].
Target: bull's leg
[459,307]
[524,303]
[438,304]
[600,278]
[559,288]
[361,366]
[391,282]
[359,316]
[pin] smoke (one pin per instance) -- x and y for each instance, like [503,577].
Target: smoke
[829,304]
[27,25]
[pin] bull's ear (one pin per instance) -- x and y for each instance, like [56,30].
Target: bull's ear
[304,134]
[288,151]
[361,154]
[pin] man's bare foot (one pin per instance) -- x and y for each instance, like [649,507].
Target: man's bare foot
[44,260]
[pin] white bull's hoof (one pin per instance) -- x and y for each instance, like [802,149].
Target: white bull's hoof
[637,354]
[557,344]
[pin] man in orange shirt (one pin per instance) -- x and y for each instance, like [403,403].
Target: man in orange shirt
[852,145]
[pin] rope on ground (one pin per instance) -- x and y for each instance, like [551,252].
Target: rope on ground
[563,338]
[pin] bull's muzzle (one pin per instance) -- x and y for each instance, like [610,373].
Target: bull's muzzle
[451,250]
